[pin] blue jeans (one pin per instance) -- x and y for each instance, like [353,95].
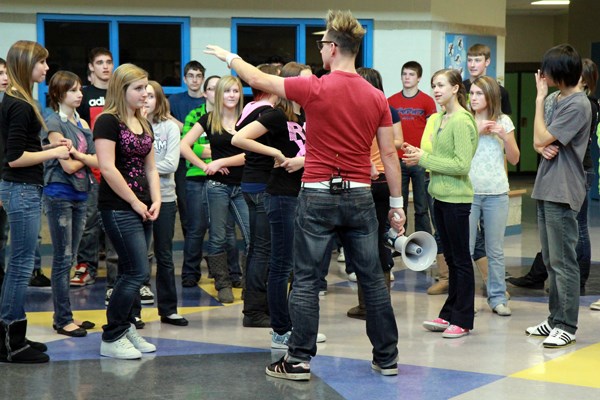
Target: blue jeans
[131,237]
[66,222]
[90,241]
[584,248]
[436,233]
[224,200]
[281,213]
[558,233]
[352,214]
[23,205]
[259,250]
[197,225]
[3,237]
[164,229]
[452,220]
[416,174]
[494,210]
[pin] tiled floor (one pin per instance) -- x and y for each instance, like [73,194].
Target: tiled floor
[216,358]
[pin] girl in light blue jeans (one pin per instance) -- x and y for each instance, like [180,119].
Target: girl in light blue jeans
[490,183]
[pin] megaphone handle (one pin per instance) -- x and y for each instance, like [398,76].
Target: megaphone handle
[397,218]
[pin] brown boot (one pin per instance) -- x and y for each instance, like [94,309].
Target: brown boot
[360,311]
[482,266]
[441,286]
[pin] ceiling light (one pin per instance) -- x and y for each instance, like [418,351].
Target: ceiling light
[551,3]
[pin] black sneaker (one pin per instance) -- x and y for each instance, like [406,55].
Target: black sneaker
[38,279]
[285,370]
[386,371]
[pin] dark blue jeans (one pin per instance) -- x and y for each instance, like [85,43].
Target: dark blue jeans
[436,233]
[90,240]
[352,214]
[66,221]
[131,238]
[416,174]
[281,213]
[259,251]
[197,225]
[23,205]
[584,248]
[164,229]
[452,220]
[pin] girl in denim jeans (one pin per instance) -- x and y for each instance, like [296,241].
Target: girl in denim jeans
[129,200]
[67,183]
[20,193]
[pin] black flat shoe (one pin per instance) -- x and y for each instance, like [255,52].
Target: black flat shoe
[174,321]
[87,325]
[79,332]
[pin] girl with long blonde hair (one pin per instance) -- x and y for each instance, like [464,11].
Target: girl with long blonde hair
[129,201]
[225,175]
[20,193]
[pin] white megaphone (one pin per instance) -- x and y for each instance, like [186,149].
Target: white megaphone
[418,250]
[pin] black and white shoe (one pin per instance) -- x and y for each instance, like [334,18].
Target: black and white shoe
[558,338]
[541,329]
[390,370]
[146,295]
[286,370]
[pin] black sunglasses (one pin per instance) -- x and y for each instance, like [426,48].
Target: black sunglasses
[321,43]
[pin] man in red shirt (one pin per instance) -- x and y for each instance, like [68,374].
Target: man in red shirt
[414,107]
[336,195]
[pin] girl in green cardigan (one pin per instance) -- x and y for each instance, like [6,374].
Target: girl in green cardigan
[454,141]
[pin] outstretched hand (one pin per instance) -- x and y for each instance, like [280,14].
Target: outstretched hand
[216,51]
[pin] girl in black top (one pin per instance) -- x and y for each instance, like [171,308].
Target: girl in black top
[20,193]
[129,200]
[284,128]
[225,175]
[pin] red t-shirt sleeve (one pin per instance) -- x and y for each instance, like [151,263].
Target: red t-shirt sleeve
[298,88]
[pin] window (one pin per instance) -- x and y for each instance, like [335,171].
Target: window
[282,40]
[158,45]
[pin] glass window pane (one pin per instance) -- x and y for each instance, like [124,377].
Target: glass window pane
[266,44]
[69,44]
[153,47]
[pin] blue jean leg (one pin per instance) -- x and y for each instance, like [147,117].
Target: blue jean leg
[90,240]
[130,237]
[352,214]
[23,205]
[494,210]
[66,222]
[558,233]
[584,248]
[233,254]
[436,233]
[259,251]
[453,222]
[416,175]
[281,213]
[164,229]
[222,200]
[197,220]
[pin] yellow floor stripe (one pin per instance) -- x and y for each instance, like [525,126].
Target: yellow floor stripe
[99,316]
[577,368]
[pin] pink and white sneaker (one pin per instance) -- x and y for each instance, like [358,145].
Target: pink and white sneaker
[437,325]
[455,331]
